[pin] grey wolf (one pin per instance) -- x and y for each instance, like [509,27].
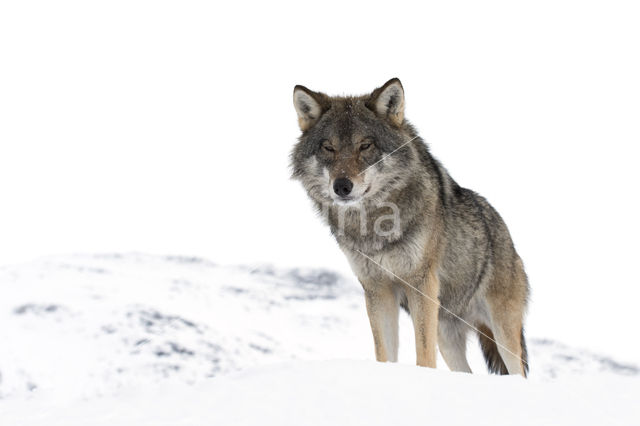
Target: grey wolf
[400,219]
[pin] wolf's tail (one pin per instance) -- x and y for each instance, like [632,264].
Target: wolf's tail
[495,364]
[525,356]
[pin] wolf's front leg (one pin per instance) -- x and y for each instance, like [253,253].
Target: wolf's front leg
[383,310]
[424,306]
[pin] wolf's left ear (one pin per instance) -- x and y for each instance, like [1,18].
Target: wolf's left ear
[309,106]
[388,101]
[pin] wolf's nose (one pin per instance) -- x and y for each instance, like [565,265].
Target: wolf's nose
[342,186]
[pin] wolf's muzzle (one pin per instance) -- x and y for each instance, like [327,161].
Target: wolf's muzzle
[342,186]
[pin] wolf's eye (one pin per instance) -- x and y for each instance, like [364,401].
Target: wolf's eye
[365,146]
[327,147]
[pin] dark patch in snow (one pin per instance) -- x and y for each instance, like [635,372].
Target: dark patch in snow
[265,336]
[236,290]
[559,358]
[213,346]
[543,342]
[181,350]
[31,308]
[625,369]
[260,270]
[156,322]
[314,277]
[563,357]
[108,329]
[259,348]
[189,260]
[167,369]
[83,269]
[311,297]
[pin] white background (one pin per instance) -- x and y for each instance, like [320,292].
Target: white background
[165,127]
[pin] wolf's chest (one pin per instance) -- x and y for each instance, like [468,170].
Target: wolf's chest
[401,259]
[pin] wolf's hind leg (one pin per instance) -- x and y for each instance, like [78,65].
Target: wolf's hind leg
[509,346]
[383,308]
[506,300]
[507,331]
[452,341]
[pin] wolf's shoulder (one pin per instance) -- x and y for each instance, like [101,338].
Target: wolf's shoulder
[469,206]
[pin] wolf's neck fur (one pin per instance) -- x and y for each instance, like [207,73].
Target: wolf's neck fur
[374,227]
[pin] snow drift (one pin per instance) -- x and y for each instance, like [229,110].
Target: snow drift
[354,393]
[166,337]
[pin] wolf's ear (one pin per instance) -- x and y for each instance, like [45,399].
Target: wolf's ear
[388,101]
[309,106]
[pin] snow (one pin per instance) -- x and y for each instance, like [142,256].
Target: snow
[114,320]
[351,392]
[135,339]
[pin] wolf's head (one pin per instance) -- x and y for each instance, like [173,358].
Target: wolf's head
[344,153]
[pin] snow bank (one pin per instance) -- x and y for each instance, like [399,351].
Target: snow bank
[350,392]
[161,339]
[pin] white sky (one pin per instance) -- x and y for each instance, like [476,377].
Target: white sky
[165,127]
